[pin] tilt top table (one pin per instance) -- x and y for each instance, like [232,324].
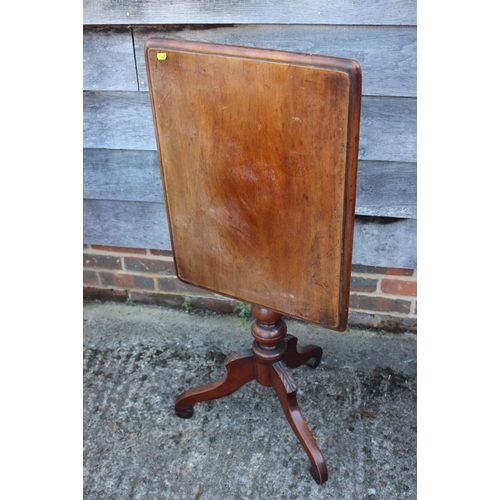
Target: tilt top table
[258,154]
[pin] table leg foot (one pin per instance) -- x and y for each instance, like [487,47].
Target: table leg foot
[309,354]
[286,389]
[186,413]
[240,370]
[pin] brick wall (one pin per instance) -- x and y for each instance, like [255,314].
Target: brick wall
[383,298]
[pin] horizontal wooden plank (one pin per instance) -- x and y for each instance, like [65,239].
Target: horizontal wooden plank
[377,242]
[108,59]
[388,129]
[125,223]
[387,189]
[382,12]
[384,189]
[387,54]
[123,120]
[117,174]
[118,120]
[385,242]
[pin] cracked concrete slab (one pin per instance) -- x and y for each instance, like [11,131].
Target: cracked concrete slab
[360,404]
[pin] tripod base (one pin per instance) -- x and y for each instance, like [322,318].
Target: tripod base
[268,362]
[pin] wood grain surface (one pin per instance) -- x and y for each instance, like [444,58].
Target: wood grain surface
[258,152]
[129,12]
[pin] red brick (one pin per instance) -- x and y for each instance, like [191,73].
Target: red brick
[396,271]
[145,265]
[144,283]
[357,268]
[177,286]
[129,281]
[379,304]
[90,278]
[107,248]
[101,261]
[399,287]
[213,304]
[163,253]
[363,284]
[116,279]
[104,294]
[157,299]
[395,324]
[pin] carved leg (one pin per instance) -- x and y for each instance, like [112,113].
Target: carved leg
[240,370]
[286,389]
[310,354]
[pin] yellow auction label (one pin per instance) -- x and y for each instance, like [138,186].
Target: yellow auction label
[161,56]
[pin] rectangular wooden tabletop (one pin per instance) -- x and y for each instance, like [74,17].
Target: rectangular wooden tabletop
[258,155]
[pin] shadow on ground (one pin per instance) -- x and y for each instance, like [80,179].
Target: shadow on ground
[360,404]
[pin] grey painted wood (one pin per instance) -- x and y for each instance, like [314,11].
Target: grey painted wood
[382,12]
[108,59]
[125,223]
[384,189]
[144,225]
[387,54]
[123,120]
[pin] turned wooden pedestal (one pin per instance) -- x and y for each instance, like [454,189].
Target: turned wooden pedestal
[269,361]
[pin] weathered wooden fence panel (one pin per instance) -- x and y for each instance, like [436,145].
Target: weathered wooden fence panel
[108,59]
[116,174]
[118,120]
[388,129]
[385,243]
[387,53]
[126,223]
[387,189]
[384,189]
[382,12]
[144,225]
[123,120]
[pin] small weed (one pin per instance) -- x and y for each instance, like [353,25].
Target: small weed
[129,302]
[243,309]
[187,306]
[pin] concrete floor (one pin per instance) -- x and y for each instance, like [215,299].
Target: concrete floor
[137,359]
